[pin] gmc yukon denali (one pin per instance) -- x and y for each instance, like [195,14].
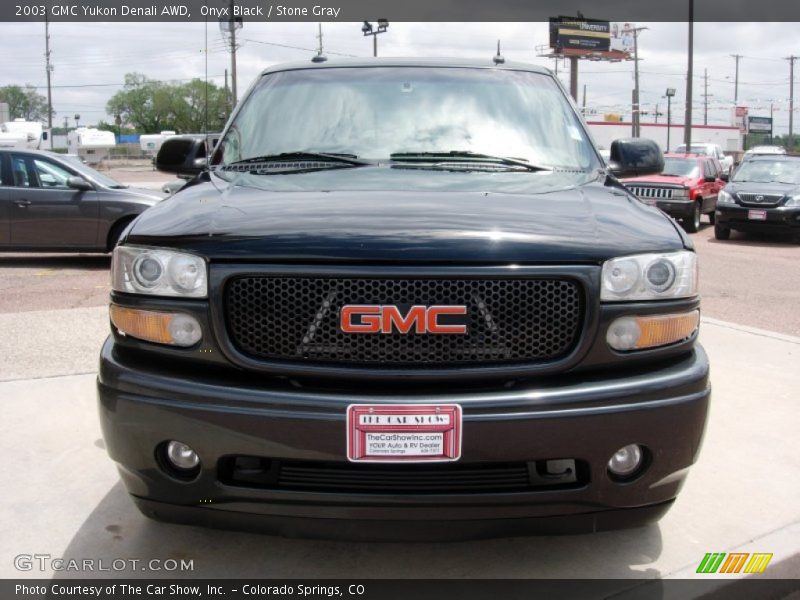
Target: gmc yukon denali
[405,300]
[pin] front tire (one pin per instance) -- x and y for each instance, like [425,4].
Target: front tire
[692,224]
[722,233]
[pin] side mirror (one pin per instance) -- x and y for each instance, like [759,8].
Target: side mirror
[183,155]
[632,157]
[710,179]
[79,183]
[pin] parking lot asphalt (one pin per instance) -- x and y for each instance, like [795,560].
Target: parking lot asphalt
[740,496]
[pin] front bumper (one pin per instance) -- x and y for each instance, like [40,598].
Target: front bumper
[585,417]
[680,209]
[779,219]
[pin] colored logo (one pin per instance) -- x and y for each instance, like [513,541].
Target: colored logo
[734,562]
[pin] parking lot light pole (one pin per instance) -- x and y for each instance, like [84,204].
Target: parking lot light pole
[670,94]
[368,29]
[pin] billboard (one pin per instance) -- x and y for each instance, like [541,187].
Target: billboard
[579,36]
[759,125]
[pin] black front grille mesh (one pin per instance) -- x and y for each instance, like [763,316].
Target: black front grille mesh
[509,320]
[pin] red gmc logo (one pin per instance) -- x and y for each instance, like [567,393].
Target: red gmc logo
[375,318]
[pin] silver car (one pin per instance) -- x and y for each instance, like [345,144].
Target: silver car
[50,202]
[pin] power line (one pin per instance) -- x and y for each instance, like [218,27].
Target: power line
[297,47]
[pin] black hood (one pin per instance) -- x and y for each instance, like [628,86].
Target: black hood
[284,221]
[771,188]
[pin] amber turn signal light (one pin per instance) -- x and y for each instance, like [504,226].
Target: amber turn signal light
[651,331]
[174,329]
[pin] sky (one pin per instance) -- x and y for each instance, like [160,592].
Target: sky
[91,59]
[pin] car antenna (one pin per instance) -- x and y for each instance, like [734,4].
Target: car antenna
[498,58]
[319,57]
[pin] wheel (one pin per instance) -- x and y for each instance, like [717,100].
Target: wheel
[722,233]
[712,217]
[692,224]
[115,232]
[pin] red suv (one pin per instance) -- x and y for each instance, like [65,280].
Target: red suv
[686,188]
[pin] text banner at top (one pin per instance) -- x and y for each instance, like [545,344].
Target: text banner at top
[408,10]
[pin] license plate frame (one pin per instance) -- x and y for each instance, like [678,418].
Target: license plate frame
[757,215]
[384,433]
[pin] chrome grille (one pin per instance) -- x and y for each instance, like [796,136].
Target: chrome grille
[656,193]
[759,199]
[508,320]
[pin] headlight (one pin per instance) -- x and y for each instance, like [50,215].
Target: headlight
[725,198]
[158,272]
[650,276]
[793,201]
[680,193]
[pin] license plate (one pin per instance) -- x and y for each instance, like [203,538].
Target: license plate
[757,215]
[403,433]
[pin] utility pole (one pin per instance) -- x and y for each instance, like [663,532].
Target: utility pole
[49,69]
[791,60]
[228,27]
[583,112]
[736,80]
[573,78]
[706,96]
[687,125]
[234,94]
[637,130]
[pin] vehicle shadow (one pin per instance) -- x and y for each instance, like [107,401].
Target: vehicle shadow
[55,261]
[116,530]
[758,240]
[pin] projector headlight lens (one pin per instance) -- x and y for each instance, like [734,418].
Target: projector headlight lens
[159,272]
[650,277]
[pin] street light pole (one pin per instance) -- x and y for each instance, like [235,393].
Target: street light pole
[368,29]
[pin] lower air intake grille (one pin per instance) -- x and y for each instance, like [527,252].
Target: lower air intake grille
[330,477]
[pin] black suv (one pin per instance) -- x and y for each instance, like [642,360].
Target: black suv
[405,299]
[762,197]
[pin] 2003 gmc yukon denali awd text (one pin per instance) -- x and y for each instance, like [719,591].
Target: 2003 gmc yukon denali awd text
[405,300]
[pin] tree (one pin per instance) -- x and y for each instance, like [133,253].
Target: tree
[151,106]
[24,103]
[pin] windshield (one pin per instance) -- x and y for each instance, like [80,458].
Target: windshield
[681,167]
[104,180]
[375,112]
[694,149]
[769,171]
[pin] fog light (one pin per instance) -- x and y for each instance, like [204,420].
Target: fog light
[626,461]
[181,456]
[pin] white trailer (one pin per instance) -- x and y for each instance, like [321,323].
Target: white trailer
[151,142]
[729,138]
[23,135]
[90,144]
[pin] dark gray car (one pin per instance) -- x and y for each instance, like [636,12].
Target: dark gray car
[55,203]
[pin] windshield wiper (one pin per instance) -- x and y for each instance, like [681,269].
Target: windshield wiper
[465,156]
[295,161]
